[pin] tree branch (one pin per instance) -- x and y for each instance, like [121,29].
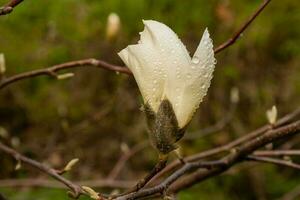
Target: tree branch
[38,182]
[76,189]
[51,71]
[277,153]
[239,154]
[8,8]
[276,161]
[225,148]
[240,31]
[214,168]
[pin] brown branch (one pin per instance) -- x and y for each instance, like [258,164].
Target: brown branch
[76,189]
[225,148]
[162,187]
[280,162]
[51,71]
[277,153]
[239,154]
[38,182]
[214,168]
[240,31]
[8,8]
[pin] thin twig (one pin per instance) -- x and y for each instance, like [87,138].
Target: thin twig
[285,163]
[38,182]
[277,153]
[8,8]
[51,71]
[240,31]
[76,189]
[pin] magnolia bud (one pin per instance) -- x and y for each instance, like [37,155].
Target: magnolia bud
[65,76]
[90,192]
[272,115]
[3,132]
[234,95]
[15,142]
[2,64]
[70,164]
[113,26]
[18,165]
[172,83]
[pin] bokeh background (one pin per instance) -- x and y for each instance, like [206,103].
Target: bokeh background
[94,115]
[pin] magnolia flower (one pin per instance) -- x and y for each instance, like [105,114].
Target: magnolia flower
[171,82]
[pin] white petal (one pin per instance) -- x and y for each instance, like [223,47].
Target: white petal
[198,77]
[154,61]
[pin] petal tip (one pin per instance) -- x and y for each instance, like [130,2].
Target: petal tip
[206,33]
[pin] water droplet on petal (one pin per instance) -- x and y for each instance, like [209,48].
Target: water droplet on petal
[195,60]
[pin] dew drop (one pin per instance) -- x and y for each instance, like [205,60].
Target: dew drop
[195,60]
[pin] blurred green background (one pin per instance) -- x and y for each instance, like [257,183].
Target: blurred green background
[92,115]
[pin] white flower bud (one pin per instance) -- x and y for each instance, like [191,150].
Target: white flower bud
[3,132]
[15,142]
[172,82]
[234,95]
[164,69]
[65,76]
[90,192]
[124,148]
[113,26]
[18,165]
[70,164]
[2,64]
[272,115]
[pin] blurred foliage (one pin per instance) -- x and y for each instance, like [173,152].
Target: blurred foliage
[56,121]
